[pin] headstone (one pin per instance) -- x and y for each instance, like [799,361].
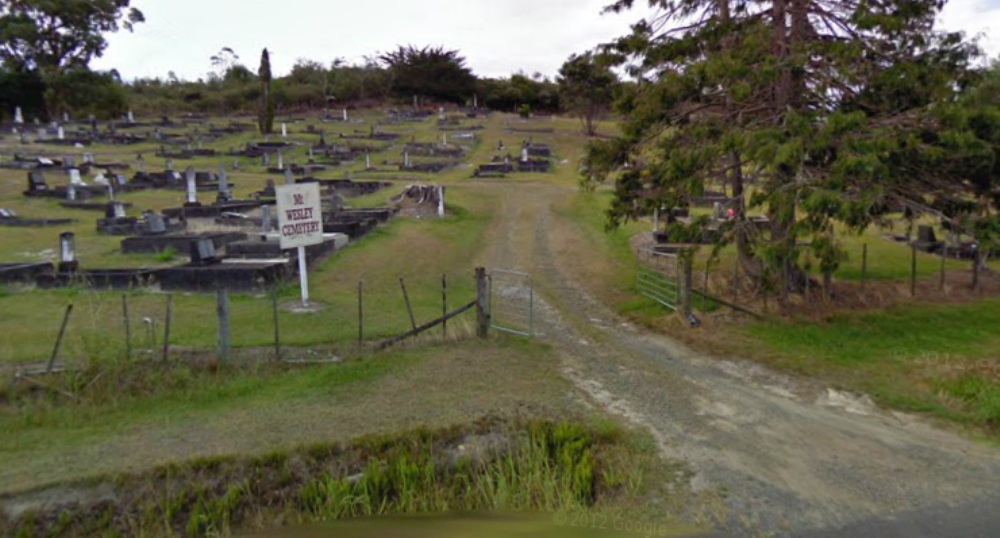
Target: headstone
[116,210]
[130,117]
[289,178]
[266,218]
[67,249]
[266,159]
[60,133]
[475,101]
[717,212]
[440,193]
[310,150]
[281,162]
[154,223]
[88,158]
[71,192]
[141,164]
[36,181]
[345,114]
[406,159]
[224,194]
[322,138]
[202,251]
[524,154]
[416,104]
[74,177]
[69,162]
[192,186]
[441,113]
[368,160]
[169,165]
[284,130]
[18,116]
[65,117]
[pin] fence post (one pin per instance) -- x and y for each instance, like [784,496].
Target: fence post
[409,309]
[482,299]
[361,315]
[128,328]
[222,311]
[944,258]
[59,339]
[975,267]
[274,315]
[687,263]
[864,266]
[913,270]
[166,328]
[444,305]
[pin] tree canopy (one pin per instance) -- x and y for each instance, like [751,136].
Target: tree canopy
[586,88]
[432,72]
[831,109]
[54,35]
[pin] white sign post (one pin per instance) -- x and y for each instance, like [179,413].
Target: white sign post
[300,222]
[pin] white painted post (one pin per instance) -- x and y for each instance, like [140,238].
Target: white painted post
[303,277]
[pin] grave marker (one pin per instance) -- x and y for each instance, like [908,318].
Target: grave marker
[284,130]
[18,116]
[192,187]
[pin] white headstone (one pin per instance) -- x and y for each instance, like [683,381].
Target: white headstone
[192,187]
[440,201]
[131,117]
[18,116]
[368,160]
[524,154]
[74,177]
[406,159]
[345,114]
[71,192]
[284,130]
[441,113]
[281,161]
[475,101]
[60,133]
[65,117]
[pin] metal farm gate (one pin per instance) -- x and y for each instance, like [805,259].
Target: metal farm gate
[658,276]
[512,302]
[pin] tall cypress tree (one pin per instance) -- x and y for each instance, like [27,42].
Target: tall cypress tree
[824,106]
[265,118]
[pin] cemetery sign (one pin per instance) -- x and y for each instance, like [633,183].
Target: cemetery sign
[300,221]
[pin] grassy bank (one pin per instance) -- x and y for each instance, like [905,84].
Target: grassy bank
[492,466]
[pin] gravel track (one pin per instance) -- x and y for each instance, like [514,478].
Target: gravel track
[782,456]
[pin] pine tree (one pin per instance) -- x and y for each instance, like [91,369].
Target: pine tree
[822,109]
[265,118]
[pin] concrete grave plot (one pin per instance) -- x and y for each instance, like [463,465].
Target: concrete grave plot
[116,222]
[209,272]
[420,201]
[178,242]
[23,273]
[23,162]
[102,279]
[9,218]
[348,188]
[267,246]
[424,149]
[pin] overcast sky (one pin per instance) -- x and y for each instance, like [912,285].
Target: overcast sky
[497,37]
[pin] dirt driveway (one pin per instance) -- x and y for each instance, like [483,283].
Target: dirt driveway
[778,455]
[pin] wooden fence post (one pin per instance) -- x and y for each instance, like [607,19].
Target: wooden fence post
[166,328]
[482,303]
[409,309]
[361,315]
[864,266]
[222,312]
[444,304]
[274,315]
[59,339]
[128,328]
